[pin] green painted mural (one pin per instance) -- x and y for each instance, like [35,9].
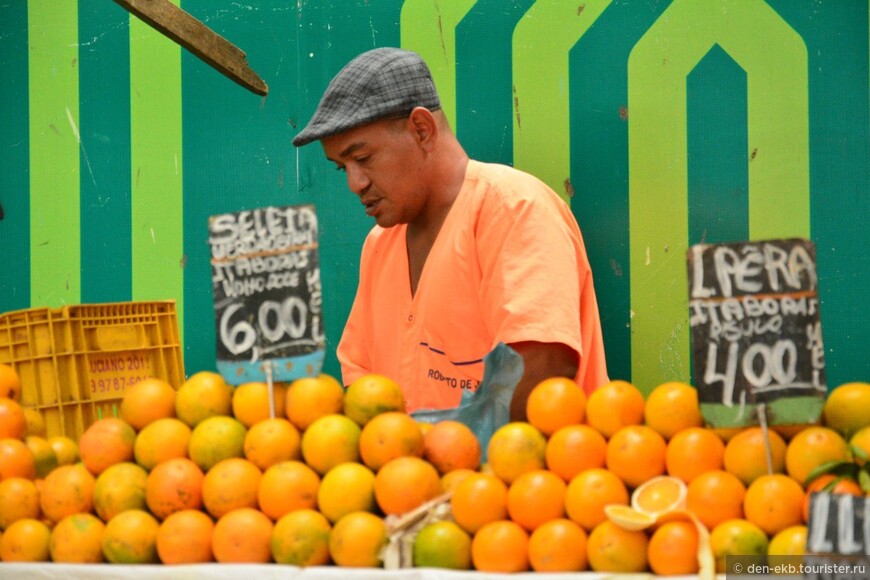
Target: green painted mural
[662,124]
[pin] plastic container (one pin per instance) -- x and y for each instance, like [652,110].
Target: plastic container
[76,362]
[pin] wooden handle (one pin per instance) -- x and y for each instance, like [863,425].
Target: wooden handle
[199,39]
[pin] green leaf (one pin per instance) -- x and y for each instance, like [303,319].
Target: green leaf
[864,480]
[842,468]
[858,453]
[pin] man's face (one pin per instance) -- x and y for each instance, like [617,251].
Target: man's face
[381,161]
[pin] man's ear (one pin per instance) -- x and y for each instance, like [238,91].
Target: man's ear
[424,126]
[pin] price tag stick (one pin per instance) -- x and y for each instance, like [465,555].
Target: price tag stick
[762,420]
[270,388]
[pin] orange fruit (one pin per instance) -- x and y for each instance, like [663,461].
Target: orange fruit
[746,454]
[451,445]
[215,439]
[442,545]
[43,454]
[347,487]
[716,496]
[77,539]
[500,546]
[479,500]
[672,407]
[387,436]
[65,449]
[105,442]
[558,546]
[635,454]
[19,500]
[451,479]
[587,494]
[161,440]
[16,459]
[847,408]
[35,422]
[10,382]
[310,398]
[173,486]
[301,538]
[131,538]
[287,486]
[610,548]
[229,485]
[573,449]
[243,535]
[330,440]
[812,448]
[357,539]
[118,488]
[829,483]
[370,395]
[13,422]
[146,401]
[613,406]
[203,395]
[693,451]
[555,403]
[67,490]
[405,483]
[272,441]
[184,537]
[516,448]
[774,502]
[673,549]
[791,541]
[535,498]
[737,537]
[26,540]
[251,402]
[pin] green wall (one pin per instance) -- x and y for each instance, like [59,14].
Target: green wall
[663,124]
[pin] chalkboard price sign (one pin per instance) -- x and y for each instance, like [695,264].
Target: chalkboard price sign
[267,295]
[756,332]
[839,525]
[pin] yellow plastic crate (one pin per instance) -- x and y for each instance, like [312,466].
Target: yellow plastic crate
[76,362]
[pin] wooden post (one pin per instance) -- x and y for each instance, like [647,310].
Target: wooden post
[199,39]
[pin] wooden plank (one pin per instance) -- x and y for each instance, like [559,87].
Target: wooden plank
[199,39]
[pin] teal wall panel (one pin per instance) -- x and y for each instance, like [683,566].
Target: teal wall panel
[104,110]
[14,159]
[730,139]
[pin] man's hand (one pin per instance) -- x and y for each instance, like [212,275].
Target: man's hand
[542,360]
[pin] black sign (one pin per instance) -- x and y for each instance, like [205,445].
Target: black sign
[839,524]
[756,331]
[267,295]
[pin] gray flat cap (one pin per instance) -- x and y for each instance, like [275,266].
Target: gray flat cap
[378,84]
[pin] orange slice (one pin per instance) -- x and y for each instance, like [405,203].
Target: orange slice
[628,518]
[659,496]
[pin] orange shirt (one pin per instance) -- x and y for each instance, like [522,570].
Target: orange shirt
[508,265]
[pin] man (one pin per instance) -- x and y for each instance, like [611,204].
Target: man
[464,255]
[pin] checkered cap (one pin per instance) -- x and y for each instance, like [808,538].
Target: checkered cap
[378,84]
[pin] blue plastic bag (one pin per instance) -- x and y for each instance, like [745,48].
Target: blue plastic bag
[488,407]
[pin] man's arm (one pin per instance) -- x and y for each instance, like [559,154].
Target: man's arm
[542,360]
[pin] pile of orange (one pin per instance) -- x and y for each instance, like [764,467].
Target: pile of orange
[313,473]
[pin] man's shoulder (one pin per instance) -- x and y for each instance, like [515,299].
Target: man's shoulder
[508,185]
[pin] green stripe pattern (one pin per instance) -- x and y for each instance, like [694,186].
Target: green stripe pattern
[775,59]
[541,46]
[156,166]
[419,19]
[55,233]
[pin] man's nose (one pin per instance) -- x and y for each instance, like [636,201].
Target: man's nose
[357,180]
